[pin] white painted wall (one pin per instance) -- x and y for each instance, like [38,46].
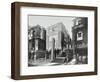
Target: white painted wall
[5,40]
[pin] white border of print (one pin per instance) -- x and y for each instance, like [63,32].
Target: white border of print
[25,70]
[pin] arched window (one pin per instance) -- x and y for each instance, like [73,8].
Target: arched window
[80,35]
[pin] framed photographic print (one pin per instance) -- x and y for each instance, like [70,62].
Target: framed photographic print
[53,40]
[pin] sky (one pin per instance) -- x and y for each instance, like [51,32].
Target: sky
[46,21]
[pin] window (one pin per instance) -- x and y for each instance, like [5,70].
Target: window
[80,35]
[36,44]
[70,46]
[67,46]
[30,35]
[78,22]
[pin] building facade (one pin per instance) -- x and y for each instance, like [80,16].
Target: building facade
[56,32]
[80,39]
[36,41]
[58,40]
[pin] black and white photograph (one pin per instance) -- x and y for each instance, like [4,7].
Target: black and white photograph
[53,40]
[57,40]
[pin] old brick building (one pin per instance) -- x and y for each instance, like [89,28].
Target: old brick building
[36,42]
[58,40]
[59,33]
[80,39]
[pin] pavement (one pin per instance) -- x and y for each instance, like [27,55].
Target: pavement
[47,62]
